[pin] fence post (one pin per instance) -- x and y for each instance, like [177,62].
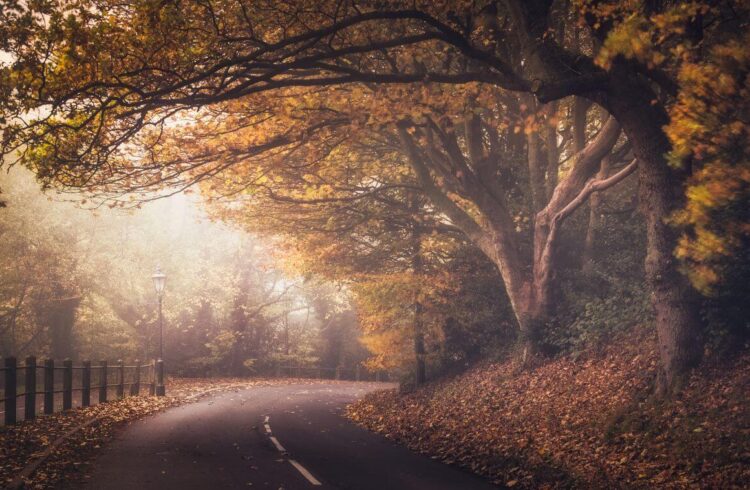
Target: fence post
[11,371]
[67,384]
[30,390]
[103,381]
[160,389]
[49,386]
[278,370]
[338,373]
[135,388]
[120,379]
[357,375]
[152,385]
[377,376]
[86,384]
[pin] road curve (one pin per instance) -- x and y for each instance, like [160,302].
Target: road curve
[273,437]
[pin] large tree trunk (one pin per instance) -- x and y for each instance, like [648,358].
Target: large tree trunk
[420,375]
[536,163]
[674,301]
[565,194]
[520,290]
[420,372]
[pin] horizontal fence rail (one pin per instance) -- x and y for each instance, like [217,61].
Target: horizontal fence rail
[34,388]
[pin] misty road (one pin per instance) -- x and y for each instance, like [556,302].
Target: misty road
[278,437]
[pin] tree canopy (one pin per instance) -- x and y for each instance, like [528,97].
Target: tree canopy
[380,119]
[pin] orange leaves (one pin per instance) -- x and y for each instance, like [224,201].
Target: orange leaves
[708,127]
[583,423]
[655,40]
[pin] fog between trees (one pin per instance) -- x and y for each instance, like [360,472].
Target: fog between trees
[76,282]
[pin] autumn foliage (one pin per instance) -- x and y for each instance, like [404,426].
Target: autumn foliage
[710,131]
[518,180]
[578,422]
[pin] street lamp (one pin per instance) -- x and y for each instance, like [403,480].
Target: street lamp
[160,280]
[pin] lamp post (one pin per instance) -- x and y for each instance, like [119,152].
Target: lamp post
[160,280]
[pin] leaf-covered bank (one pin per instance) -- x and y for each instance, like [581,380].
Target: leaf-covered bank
[583,422]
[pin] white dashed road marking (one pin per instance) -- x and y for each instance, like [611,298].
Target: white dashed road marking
[277,444]
[303,471]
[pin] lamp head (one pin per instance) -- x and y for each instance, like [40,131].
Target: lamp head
[160,280]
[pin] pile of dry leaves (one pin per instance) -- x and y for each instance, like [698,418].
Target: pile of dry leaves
[25,442]
[588,422]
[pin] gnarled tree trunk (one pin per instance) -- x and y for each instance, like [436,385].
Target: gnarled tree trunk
[527,277]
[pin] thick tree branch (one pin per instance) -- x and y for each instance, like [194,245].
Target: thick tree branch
[459,217]
[596,185]
[546,242]
[585,166]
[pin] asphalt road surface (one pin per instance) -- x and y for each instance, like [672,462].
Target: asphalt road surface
[276,437]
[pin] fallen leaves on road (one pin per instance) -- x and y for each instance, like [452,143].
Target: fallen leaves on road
[578,423]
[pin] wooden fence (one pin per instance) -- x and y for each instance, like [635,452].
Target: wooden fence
[59,383]
[352,374]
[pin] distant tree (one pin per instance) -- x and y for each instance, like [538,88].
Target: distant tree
[76,283]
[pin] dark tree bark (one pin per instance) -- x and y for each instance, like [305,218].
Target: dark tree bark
[420,374]
[580,109]
[661,193]
[553,153]
[595,204]
[420,371]
[536,161]
[61,319]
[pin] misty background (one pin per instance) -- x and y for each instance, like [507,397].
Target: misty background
[75,282]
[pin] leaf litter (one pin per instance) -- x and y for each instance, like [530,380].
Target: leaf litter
[583,422]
